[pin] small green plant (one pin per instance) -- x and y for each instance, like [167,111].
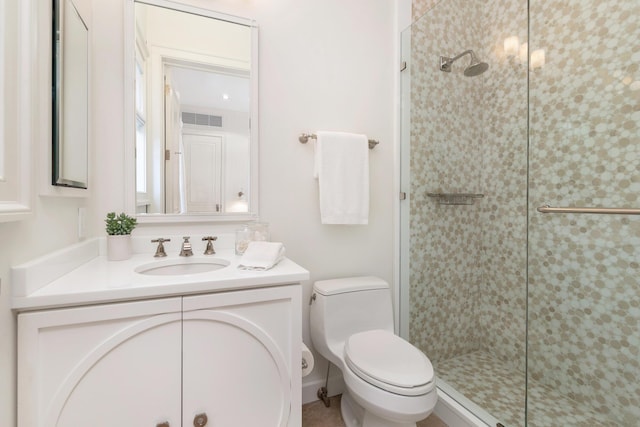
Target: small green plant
[119,225]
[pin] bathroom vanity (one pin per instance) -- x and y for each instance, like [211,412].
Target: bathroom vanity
[102,345]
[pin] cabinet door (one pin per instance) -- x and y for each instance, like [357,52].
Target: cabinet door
[241,360]
[103,366]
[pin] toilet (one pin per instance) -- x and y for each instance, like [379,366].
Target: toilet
[389,382]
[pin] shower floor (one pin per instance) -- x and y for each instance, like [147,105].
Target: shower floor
[500,391]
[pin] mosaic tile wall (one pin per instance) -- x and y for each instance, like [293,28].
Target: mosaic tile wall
[502,309]
[468,263]
[468,135]
[446,151]
[420,7]
[584,277]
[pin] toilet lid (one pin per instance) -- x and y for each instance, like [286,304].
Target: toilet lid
[389,362]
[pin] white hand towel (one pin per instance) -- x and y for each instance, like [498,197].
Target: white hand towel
[261,255]
[342,168]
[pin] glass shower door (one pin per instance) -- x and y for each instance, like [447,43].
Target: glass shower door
[464,222]
[583,360]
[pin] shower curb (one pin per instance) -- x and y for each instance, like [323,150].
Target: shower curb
[454,414]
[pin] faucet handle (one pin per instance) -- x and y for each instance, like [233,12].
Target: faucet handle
[210,239]
[160,250]
[186,247]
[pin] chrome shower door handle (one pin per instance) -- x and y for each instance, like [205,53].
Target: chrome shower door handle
[602,211]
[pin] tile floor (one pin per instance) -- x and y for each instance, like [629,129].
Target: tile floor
[496,389]
[315,414]
[501,392]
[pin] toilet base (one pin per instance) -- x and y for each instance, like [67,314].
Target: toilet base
[354,415]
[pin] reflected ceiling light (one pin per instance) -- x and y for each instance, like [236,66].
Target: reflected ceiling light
[512,46]
[225,96]
[537,59]
[524,52]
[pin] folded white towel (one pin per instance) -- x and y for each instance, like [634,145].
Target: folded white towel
[261,255]
[342,168]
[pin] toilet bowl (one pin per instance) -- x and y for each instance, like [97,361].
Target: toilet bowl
[389,382]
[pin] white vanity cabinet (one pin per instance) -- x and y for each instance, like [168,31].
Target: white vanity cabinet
[241,358]
[214,360]
[105,365]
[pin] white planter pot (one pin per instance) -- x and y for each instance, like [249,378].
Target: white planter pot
[119,247]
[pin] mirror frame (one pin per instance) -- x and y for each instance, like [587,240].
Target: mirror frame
[3,67]
[129,119]
[63,9]
[16,205]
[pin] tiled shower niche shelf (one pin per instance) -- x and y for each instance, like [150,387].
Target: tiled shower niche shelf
[455,198]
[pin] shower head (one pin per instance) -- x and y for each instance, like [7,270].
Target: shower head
[475,67]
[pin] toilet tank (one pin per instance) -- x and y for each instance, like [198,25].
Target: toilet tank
[342,307]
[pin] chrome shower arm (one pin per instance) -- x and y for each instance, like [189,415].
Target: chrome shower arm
[455,58]
[474,68]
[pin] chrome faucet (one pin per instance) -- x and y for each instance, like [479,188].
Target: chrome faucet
[186,247]
[160,250]
[209,249]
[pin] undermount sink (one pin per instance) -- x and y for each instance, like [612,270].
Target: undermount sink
[180,267]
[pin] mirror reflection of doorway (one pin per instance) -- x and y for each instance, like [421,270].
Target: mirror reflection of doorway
[193,161]
[203,111]
[203,186]
[193,73]
[174,150]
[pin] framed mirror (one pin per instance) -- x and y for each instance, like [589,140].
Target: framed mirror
[70,103]
[18,84]
[194,136]
[3,172]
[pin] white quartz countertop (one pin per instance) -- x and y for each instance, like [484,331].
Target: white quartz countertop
[100,281]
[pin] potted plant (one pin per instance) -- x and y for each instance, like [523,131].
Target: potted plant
[119,228]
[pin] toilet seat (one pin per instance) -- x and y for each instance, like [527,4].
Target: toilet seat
[387,361]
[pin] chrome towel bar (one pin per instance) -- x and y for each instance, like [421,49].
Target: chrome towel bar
[605,211]
[304,138]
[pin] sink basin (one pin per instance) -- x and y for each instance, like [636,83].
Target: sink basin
[182,267]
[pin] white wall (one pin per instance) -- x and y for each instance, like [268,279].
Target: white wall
[324,65]
[53,223]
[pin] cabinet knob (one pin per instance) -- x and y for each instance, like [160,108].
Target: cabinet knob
[164,424]
[200,420]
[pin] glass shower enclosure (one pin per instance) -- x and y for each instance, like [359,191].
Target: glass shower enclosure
[530,314]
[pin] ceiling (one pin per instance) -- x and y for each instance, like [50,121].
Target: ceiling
[207,89]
